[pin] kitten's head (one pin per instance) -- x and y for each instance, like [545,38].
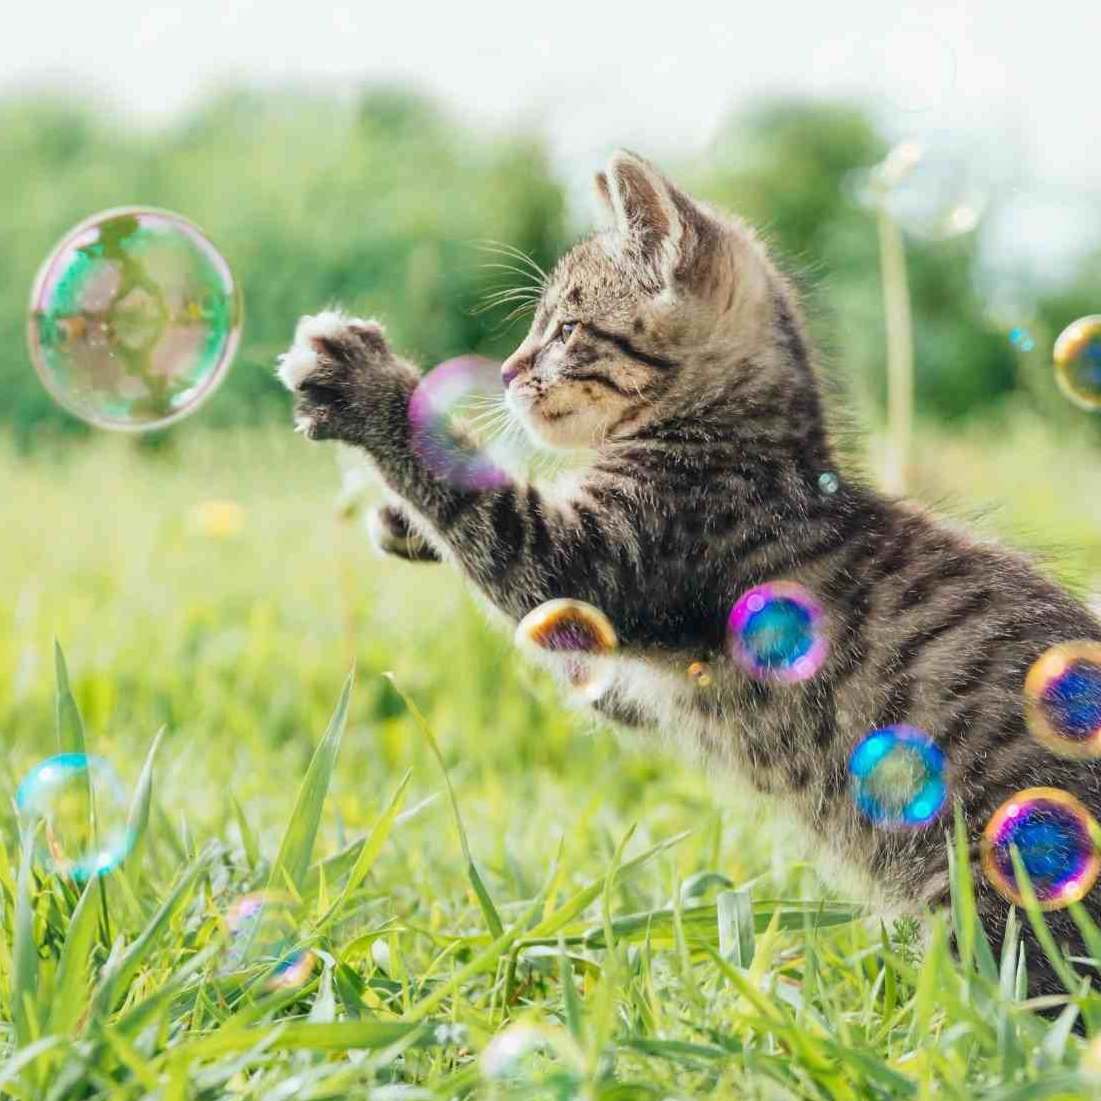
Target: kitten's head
[640,315]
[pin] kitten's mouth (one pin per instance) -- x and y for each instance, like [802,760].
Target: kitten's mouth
[552,416]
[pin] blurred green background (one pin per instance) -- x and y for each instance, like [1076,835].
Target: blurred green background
[379,203]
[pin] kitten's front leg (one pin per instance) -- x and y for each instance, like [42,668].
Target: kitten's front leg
[519,548]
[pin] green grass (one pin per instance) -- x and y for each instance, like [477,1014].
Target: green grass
[622,911]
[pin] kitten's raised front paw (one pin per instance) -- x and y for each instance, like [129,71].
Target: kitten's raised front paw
[392,534]
[334,368]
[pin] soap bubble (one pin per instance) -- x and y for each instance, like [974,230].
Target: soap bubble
[898,777]
[777,632]
[460,425]
[1077,359]
[1021,339]
[134,319]
[699,672]
[83,807]
[264,929]
[530,1055]
[1063,699]
[1057,839]
[933,194]
[578,637]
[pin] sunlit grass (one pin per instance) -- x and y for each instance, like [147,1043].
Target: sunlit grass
[628,910]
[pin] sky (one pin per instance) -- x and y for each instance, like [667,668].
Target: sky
[1018,80]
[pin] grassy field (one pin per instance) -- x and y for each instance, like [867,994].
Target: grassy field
[613,924]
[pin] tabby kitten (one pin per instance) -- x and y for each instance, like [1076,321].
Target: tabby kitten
[671,345]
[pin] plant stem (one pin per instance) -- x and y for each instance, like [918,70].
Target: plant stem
[900,352]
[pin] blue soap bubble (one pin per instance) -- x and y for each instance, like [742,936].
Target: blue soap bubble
[898,777]
[776,632]
[82,805]
[1056,839]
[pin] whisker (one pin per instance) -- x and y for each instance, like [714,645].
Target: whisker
[503,249]
[524,273]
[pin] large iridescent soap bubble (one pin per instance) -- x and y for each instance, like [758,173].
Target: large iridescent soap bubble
[78,808]
[1056,839]
[134,319]
[1077,357]
[460,427]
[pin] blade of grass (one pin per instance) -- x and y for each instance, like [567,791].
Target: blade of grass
[971,941]
[734,911]
[69,995]
[248,838]
[369,851]
[485,902]
[24,978]
[1039,925]
[293,860]
[117,976]
[138,818]
[70,726]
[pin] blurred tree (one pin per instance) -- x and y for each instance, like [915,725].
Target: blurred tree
[379,202]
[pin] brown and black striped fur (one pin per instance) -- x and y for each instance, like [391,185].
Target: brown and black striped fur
[684,363]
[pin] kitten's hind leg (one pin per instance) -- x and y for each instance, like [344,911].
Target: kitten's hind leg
[392,534]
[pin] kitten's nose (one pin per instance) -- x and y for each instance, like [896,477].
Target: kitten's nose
[512,367]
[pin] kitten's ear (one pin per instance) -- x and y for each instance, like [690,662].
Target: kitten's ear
[602,192]
[656,223]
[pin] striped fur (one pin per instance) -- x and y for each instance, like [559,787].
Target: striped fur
[685,364]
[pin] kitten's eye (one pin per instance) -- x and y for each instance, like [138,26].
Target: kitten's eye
[566,330]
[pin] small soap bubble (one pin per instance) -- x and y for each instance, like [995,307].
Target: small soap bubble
[134,319]
[1021,339]
[83,806]
[459,424]
[898,777]
[1077,358]
[933,194]
[580,639]
[1063,699]
[777,632]
[700,673]
[530,1055]
[264,931]
[828,483]
[1057,839]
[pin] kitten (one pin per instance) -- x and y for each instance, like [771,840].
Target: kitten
[672,345]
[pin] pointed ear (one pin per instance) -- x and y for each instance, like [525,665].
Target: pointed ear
[645,213]
[658,227]
[602,192]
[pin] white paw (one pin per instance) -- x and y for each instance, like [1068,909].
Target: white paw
[301,359]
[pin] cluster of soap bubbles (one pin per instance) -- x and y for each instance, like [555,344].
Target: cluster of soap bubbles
[134,319]
[937,190]
[76,810]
